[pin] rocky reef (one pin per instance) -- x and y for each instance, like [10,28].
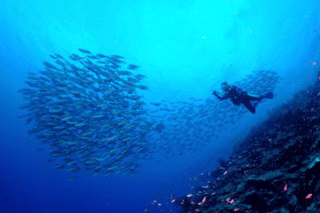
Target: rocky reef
[275,169]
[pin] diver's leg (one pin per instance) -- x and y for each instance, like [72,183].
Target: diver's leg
[249,106]
[255,97]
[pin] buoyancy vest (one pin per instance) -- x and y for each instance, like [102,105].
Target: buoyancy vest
[236,95]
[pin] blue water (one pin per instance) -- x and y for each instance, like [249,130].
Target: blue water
[186,48]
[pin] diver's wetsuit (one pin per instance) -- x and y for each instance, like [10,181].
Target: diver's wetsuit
[237,96]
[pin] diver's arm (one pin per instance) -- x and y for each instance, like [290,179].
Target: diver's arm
[219,96]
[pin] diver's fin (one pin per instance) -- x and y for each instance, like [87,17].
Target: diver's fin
[268,95]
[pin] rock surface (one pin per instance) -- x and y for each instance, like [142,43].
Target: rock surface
[275,169]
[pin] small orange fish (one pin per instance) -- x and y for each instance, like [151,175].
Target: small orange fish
[231,201]
[204,199]
[285,188]
[189,195]
[309,196]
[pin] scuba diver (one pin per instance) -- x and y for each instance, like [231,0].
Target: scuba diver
[238,96]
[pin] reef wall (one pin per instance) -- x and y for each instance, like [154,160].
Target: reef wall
[275,169]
